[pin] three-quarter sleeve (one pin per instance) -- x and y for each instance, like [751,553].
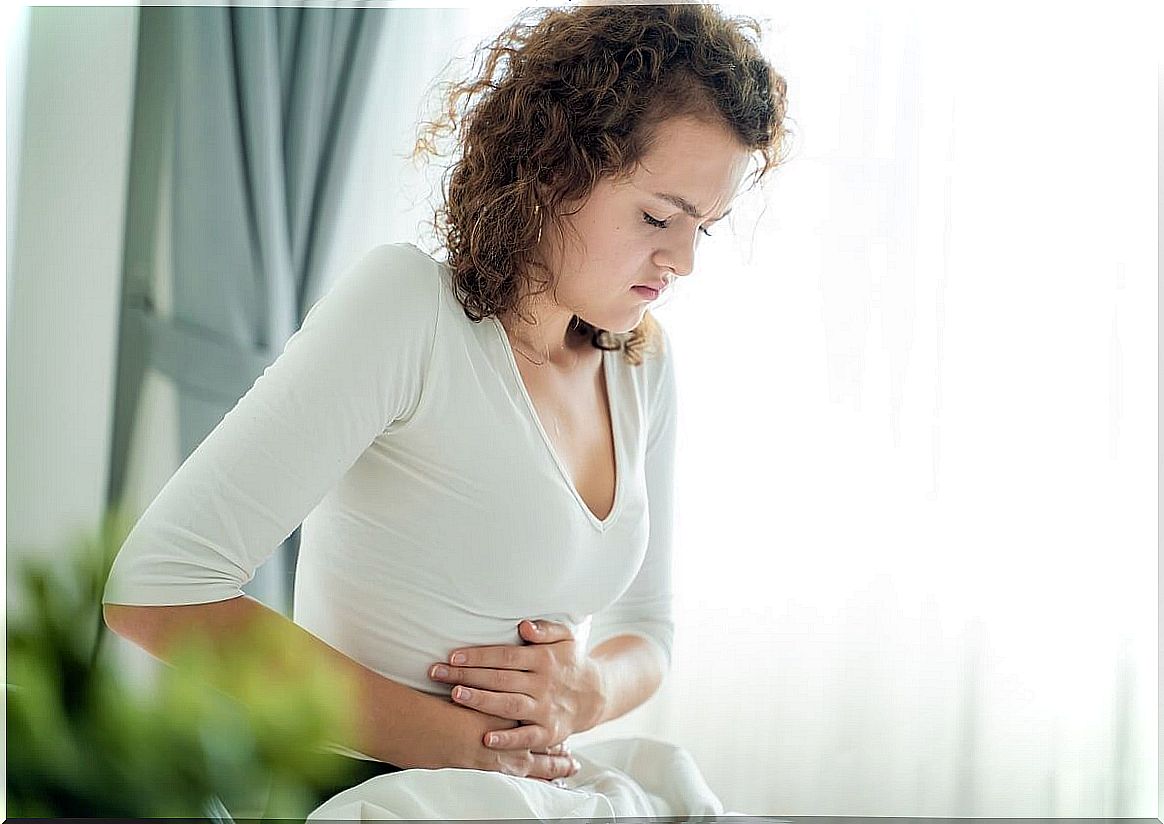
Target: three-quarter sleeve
[355,368]
[645,608]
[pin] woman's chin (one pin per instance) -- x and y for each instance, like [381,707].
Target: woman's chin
[631,323]
[619,324]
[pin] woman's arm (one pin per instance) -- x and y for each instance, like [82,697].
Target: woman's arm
[630,670]
[392,722]
[380,732]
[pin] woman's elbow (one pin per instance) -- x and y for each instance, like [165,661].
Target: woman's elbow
[120,618]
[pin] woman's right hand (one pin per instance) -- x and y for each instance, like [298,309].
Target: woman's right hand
[552,763]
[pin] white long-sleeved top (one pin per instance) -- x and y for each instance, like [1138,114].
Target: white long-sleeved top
[435,512]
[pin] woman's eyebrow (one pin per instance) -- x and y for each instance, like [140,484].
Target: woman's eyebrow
[681,202]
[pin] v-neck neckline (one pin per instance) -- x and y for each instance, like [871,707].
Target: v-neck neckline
[611,404]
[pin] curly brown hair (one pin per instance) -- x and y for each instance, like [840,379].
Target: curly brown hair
[563,98]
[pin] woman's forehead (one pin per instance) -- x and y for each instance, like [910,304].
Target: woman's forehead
[698,181]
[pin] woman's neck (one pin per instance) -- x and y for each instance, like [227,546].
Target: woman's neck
[564,350]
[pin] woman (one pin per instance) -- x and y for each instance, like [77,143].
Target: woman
[485,441]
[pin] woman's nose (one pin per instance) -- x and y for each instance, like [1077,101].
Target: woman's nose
[679,256]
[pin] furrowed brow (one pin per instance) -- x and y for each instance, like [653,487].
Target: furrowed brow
[682,203]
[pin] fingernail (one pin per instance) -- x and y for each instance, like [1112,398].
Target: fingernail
[458,658]
[440,671]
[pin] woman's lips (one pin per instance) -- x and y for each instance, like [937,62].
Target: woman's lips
[646,291]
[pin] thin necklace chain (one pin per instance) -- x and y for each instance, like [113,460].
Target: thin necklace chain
[527,357]
[542,362]
[531,360]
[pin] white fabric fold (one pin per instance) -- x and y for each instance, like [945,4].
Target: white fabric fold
[635,777]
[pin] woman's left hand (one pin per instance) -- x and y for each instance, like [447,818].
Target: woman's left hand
[550,685]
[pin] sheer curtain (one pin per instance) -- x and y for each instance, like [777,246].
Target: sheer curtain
[916,557]
[250,114]
[391,198]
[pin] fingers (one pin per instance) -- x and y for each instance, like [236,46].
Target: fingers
[532,737]
[552,767]
[501,680]
[557,749]
[551,764]
[507,657]
[515,705]
[544,632]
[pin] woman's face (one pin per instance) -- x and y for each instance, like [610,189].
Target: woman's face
[645,231]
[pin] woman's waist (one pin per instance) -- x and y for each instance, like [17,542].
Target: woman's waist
[402,641]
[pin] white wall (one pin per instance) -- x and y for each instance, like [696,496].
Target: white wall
[65,270]
[14,20]
[1159,455]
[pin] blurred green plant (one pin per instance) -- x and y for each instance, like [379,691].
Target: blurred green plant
[84,740]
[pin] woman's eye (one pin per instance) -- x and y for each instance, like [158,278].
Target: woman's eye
[662,224]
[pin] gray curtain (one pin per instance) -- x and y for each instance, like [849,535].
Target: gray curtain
[259,108]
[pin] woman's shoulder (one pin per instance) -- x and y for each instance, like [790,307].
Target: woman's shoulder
[399,261]
[390,275]
[388,292]
[652,375]
[657,353]
[659,366]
